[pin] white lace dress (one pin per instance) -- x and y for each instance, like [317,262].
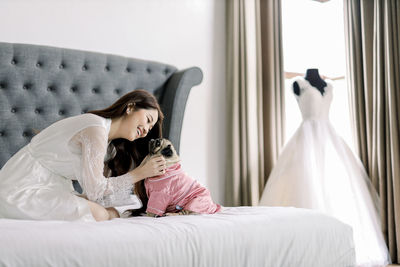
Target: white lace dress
[36,182]
[317,170]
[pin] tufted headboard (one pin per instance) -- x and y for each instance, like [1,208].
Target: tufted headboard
[40,85]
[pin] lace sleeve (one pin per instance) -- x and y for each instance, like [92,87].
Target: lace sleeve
[108,192]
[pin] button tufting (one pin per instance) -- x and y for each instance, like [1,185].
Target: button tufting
[61,112]
[61,66]
[13,110]
[2,86]
[73,89]
[148,70]
[117,91]
[107,68]
[25,134]
[1,133]
[37,111]
[13,62]
[128,69]
[84,67]
[50,88]
[25,87]
[38,64]
[166,71]
[95,90]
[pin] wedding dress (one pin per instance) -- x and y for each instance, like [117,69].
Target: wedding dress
[317,170]
[36,182]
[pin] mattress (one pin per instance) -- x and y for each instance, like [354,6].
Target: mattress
[237,236]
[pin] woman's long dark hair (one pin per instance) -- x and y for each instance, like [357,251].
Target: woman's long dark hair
[127,152]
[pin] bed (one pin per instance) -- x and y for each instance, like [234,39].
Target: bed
[40,85]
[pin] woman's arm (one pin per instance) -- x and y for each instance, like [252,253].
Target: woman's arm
[150,166]
[108,192]
[112,191]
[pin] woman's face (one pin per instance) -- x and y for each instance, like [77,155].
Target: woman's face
[137,123]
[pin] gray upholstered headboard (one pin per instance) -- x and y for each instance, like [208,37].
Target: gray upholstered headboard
[40,85]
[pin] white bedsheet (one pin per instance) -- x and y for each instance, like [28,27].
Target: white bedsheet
[240,236]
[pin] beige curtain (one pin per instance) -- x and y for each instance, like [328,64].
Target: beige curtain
[248,106]
[373,47]
[273,84]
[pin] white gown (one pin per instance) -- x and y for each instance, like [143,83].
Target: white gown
[36,182]
[317,170]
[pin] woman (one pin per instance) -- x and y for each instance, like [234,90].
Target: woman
[36,182]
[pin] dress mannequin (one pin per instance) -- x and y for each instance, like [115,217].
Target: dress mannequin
[312,76]
[317,170]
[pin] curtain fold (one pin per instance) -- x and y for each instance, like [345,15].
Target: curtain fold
[273,84]
[372,29]
[254,115]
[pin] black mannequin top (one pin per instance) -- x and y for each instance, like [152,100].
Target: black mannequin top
[312,76]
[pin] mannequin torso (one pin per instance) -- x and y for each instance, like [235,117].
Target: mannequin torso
[312,76]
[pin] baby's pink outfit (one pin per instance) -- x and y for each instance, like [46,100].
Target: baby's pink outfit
[175,191]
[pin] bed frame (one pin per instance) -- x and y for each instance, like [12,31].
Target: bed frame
[40,85]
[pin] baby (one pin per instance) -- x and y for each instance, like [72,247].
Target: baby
[174,192]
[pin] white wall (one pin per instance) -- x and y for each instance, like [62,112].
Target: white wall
[182,33]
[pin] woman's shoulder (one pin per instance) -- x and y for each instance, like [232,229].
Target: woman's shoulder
[89,119]
[79,122]
[68,127]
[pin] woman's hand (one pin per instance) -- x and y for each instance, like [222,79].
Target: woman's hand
[150,166]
